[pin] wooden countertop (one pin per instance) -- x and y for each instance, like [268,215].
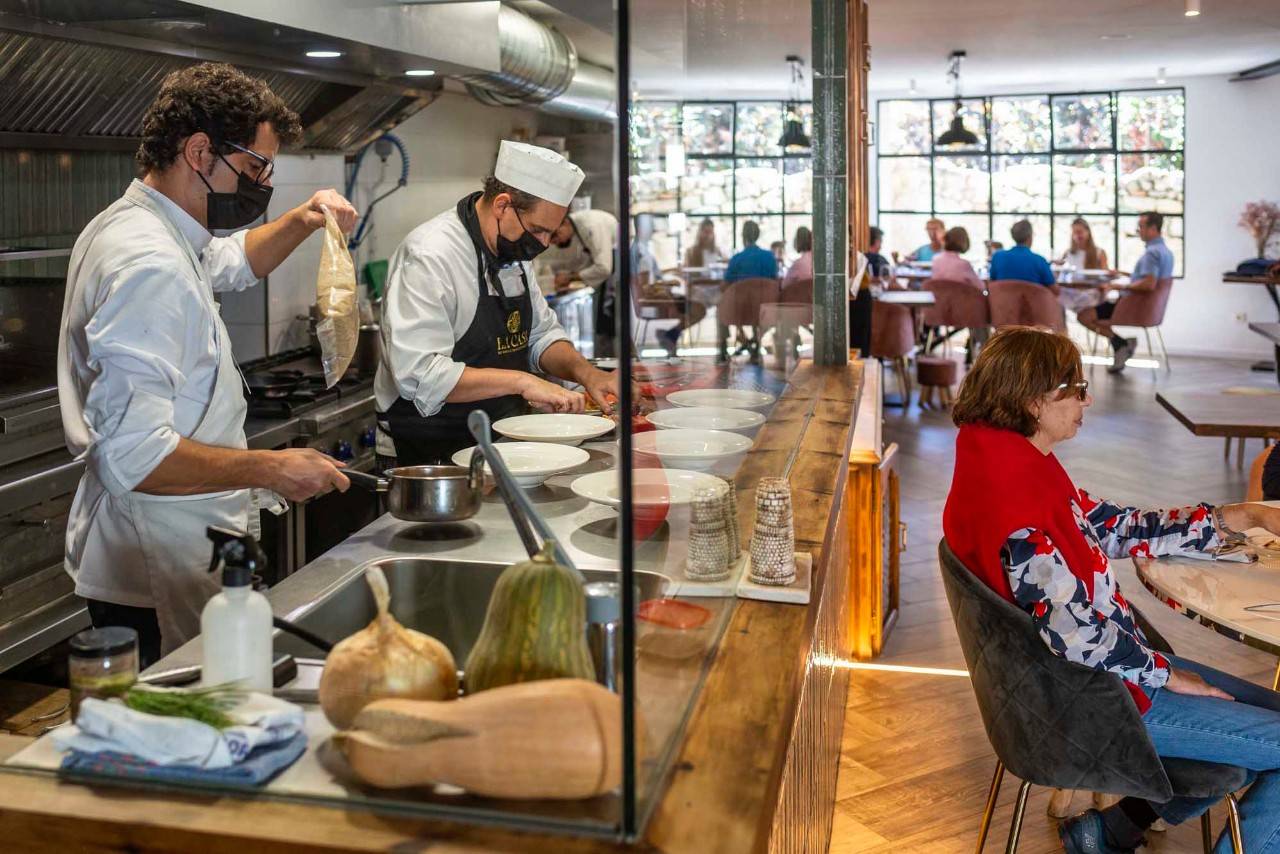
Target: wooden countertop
[725,783]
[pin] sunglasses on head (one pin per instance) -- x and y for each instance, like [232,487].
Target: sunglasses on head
[1081,389]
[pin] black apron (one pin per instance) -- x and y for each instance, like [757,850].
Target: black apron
[602,299]
[498,337]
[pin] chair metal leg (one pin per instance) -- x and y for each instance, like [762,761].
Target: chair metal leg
[1226,450]
[1233,822]
[992,796]
[1015,826]
[1206,832]
[1163,351]
[1151,351]
[1240,452]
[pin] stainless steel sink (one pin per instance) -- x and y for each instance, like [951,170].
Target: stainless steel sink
[445,599]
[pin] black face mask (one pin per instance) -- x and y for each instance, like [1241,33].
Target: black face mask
[238,209]
[526,248]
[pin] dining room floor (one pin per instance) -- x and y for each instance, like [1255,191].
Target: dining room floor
[915,764]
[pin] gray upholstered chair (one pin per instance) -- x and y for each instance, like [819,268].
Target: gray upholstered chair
[1056,723]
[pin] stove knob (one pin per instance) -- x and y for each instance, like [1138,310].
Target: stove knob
[368,438]
[343,451]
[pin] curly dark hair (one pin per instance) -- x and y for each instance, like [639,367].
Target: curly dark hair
[216,98]
[520,200]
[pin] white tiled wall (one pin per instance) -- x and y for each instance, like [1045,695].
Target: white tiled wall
[264,321]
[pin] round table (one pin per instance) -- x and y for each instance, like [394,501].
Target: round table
[1217,593]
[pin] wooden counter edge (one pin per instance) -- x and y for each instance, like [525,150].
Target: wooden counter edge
[722,796]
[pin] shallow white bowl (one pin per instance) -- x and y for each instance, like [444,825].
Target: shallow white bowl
[560,428]
[728,398]
[706,418]
[531,463]
[691,449]
[654,490]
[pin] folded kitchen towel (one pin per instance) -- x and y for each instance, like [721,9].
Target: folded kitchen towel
[109,726]
[260,766]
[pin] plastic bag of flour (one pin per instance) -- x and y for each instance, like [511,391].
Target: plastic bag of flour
[338,327]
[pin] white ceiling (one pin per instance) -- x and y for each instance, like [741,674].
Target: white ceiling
[736,48]
[1013,45]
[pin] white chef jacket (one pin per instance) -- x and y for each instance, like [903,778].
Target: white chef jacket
[431,297]
[589,254]
[138,363]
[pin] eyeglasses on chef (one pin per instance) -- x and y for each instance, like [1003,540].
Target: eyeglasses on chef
[267,165]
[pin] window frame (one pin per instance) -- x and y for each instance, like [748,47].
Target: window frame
[736,215]
[1051,152]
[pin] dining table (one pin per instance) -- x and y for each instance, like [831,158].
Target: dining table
[1239,600]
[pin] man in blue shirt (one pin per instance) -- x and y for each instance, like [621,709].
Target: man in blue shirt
[752,262]
[935,229]
[1020,262]
[1155,265]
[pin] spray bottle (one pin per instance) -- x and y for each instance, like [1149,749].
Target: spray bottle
[235,626]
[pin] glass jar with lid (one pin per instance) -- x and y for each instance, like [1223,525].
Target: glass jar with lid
[103,663]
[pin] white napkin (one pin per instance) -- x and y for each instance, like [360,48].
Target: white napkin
[109,725]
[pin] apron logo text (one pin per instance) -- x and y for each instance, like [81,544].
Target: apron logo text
[512,343]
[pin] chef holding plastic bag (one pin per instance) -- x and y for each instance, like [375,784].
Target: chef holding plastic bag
[465,325]
[151,397]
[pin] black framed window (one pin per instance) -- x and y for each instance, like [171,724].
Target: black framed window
[719,160]
[1048,158]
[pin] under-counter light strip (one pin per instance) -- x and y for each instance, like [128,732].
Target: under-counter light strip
[846,664]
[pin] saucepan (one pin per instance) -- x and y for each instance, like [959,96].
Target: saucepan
[428,493]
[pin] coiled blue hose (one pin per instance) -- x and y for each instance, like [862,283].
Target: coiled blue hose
[380,145]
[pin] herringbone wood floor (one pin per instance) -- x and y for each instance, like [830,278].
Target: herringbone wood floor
[916,764]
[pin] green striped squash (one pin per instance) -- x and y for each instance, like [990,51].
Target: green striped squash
[535,627]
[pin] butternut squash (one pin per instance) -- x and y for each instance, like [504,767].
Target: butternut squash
[555,738]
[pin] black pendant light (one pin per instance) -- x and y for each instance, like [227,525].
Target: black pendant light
[957,134]
[793,135]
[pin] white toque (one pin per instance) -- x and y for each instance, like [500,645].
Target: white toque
[538,171]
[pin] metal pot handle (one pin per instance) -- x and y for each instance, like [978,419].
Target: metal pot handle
[475,476]
[371,482]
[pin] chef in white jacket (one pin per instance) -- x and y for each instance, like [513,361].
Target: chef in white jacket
[464,323]
[150,393]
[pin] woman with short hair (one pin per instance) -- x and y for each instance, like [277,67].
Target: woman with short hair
[802,267]
[1015,519]
[949,264]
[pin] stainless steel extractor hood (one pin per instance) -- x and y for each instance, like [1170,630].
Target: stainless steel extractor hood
[80,73]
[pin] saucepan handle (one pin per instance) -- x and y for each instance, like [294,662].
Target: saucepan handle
[364,480]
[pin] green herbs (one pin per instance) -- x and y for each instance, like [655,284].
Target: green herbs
[207,705]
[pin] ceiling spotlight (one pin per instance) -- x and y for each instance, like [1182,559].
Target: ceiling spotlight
[419,72]
[911,87]
[1160,74]
[324,54]
[1193,8]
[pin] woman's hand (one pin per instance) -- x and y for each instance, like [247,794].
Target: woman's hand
[1242,517]
[1192,684]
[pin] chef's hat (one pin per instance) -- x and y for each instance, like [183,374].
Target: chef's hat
[538,171]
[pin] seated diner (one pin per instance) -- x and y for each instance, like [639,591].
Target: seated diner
[1015,519]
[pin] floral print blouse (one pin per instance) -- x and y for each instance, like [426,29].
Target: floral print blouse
[1100,631]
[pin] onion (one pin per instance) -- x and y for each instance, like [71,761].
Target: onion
[384,660]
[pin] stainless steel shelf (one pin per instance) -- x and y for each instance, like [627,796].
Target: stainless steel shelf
[33,254]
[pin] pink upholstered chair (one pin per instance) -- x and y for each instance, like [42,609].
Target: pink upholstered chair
[893,337]
[1016,303]
[1145,309]
[740,306]
[958,305]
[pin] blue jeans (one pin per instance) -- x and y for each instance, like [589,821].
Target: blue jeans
[1245,733]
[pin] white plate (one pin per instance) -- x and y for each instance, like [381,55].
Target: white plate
[1090,271]
[560,428]
[706,417]
[729,398]
[531,463]
[691,449]
[654,489]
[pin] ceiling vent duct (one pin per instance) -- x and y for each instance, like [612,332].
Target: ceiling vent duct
[539,67]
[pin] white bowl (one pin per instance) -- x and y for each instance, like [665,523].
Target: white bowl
[559,428]
[728,398]
[653,490]
[530,463]
[706,418]
[691,449]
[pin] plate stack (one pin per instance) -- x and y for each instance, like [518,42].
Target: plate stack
[773,539]
[710,556]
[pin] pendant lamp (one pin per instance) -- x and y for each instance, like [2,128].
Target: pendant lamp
[957,134]
[793,135]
